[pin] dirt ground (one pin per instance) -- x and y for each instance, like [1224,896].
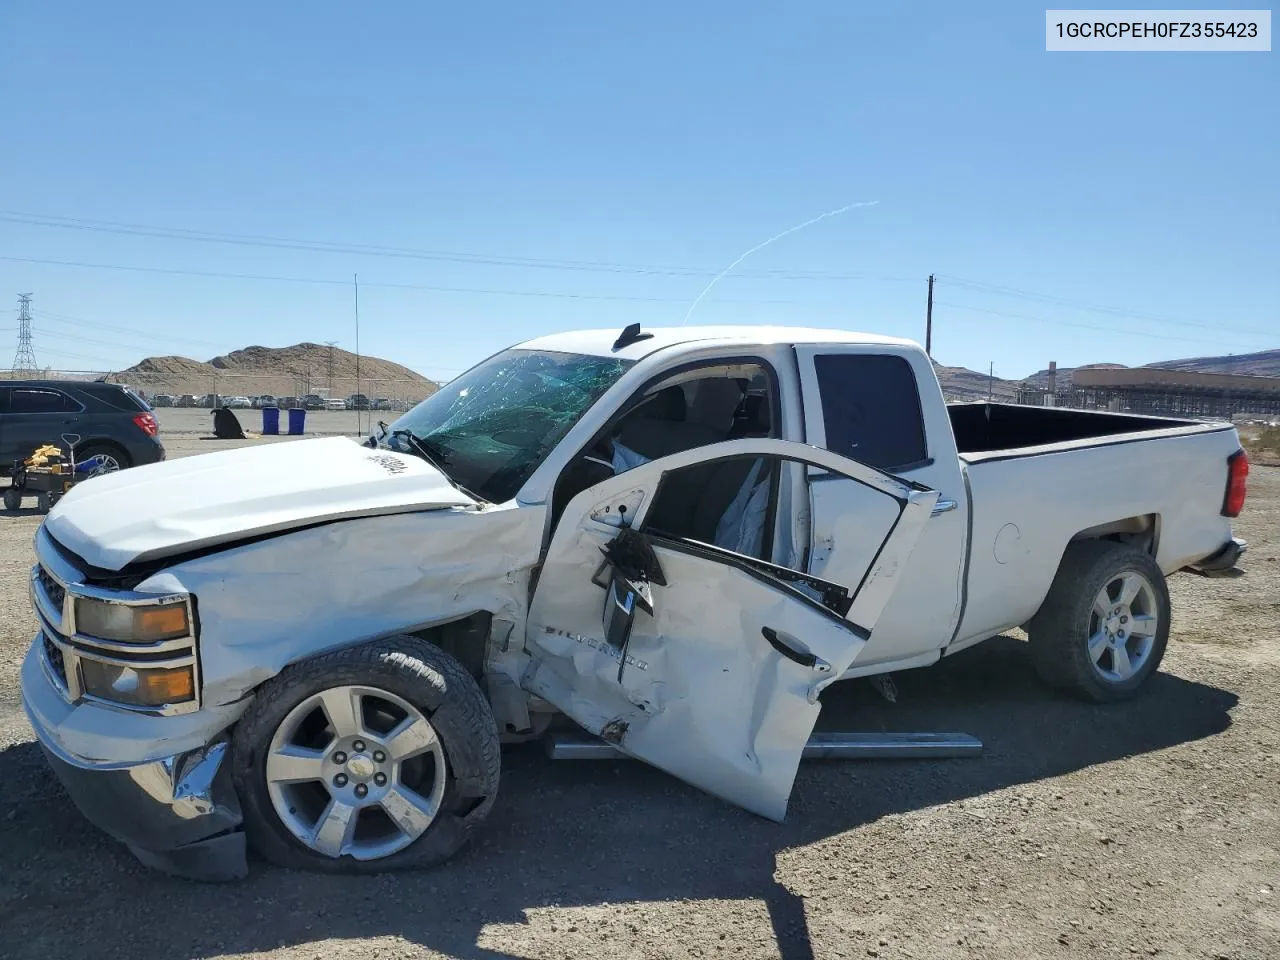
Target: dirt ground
[1145,829]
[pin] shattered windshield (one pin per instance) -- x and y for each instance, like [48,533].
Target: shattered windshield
[490,428]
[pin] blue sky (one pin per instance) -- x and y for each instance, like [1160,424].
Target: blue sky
[530,157]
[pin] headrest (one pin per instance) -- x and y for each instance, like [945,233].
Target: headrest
[755,414]
[715,402]
[668,404]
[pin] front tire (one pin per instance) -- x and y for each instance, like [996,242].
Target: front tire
[1103,629]
[379,757]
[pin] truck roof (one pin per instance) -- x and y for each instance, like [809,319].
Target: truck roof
[600,342]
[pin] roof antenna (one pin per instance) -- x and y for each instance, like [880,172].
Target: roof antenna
[630,334]
[760,246]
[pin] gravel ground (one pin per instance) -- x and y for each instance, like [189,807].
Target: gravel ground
[1145,829]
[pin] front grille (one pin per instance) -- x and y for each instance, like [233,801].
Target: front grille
[52,588]
[54,656]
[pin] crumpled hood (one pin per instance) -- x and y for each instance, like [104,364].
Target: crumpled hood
[179,505]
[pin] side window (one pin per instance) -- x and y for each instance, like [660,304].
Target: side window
[26,400]
[871,409]
[725,503]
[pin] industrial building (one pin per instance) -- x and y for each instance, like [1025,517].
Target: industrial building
[1177,393]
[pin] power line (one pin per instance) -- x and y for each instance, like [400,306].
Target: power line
[374,250]
[1017,294]
[1069,323]
[390,286]
[47,315]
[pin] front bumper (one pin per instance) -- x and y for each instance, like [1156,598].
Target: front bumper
[178,813]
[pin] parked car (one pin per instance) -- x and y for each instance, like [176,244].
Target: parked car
[266,401]
[335,403]
[112,422]
[163,400]
[381,403]
[187,400]
[678,538]
[313,401]
[238,403]
[357,401]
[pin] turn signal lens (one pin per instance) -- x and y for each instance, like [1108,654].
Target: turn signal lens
[137,686]
[131,624]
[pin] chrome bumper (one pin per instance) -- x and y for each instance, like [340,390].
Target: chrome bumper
[177,813]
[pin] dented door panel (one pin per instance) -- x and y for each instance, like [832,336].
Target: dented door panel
[719,685]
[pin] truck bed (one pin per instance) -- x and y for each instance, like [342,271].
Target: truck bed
[986,427]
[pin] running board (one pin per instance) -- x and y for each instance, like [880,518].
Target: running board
[568,745]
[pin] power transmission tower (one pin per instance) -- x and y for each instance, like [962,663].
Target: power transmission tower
[24,361]
[331,345]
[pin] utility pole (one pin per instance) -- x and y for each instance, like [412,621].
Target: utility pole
[355,283]
[991,379]
[24,361]
[928,322]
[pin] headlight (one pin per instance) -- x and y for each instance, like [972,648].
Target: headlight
[138,686]
[136,624]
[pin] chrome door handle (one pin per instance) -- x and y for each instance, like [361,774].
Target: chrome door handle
[943,506]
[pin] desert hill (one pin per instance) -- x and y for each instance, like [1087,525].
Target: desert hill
[281,371]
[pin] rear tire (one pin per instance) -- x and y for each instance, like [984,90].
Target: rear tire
[115,459]
[1104,626]
[411,802]
[12,499]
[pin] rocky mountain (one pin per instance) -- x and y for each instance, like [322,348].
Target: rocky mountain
[281,371]
[1264,363]
[961,383]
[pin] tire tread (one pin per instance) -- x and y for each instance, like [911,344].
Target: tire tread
[425,675]
[1059,649]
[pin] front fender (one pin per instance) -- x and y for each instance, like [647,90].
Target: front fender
[264,605]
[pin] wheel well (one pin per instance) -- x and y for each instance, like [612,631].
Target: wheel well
[1142,531]
[465,639]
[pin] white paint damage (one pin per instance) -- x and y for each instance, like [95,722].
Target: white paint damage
[699,690]
[267,604]
[229,495]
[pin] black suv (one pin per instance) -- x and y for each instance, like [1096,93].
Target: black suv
[111,421]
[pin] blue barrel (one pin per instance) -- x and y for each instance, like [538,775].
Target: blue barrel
[297,420]
[270,420]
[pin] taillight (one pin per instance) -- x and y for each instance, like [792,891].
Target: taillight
[1237,481]
[146,422]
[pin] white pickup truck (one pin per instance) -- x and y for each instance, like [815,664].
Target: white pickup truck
[677,538]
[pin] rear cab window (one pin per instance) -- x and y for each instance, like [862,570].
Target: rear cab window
[871,410]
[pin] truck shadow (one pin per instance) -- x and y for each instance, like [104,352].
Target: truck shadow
[577,834]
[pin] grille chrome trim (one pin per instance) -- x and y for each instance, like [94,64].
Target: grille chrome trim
[54,589]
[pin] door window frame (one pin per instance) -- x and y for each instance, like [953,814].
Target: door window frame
[637,398]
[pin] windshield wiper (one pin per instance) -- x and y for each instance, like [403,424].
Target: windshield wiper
[437,458]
